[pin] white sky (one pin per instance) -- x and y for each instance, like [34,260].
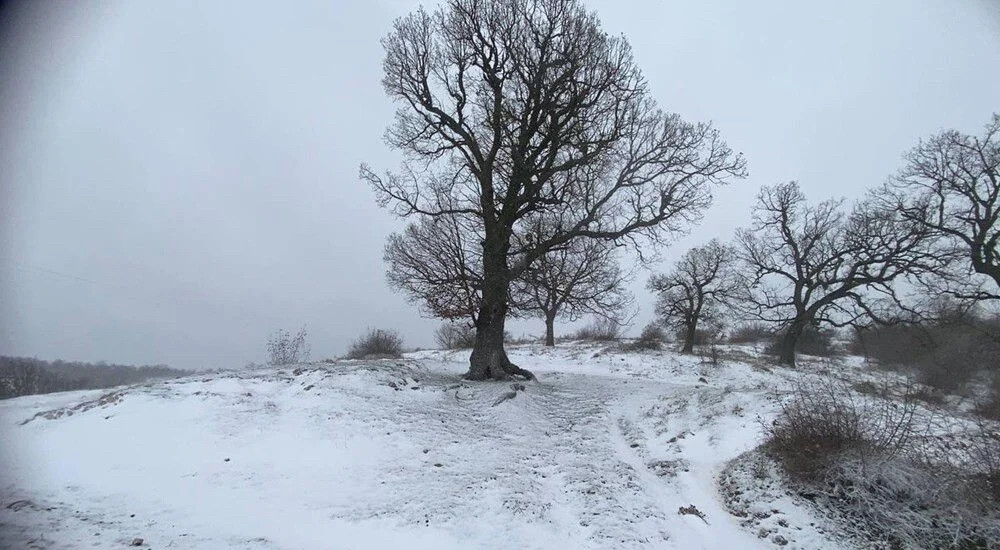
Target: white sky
[179,179]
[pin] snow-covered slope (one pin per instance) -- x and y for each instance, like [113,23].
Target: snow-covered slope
[602,452]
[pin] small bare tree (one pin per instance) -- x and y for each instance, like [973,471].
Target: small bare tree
[513,110]
[285,349]
[580,278]
[437,262]
[950,184]
[455,335]
[819,264]
[696,289]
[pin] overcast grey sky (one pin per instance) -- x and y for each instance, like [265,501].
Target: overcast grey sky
[179,179]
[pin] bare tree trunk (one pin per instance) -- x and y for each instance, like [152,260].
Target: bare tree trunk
[788,343]
[489,359]
[550,332]
[689,335]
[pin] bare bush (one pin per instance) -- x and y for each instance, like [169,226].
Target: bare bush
[945,353]
[285,349]
[523,339]
[750,333]
[650,339]
[824,420]
[701,337]
[812,341]
[455,335]
[376,343]
[951,364]
[653,332]
[990,407]
[889,475]
[905,504]
[984,455]
[600,330]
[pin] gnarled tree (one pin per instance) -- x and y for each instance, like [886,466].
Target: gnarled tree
[696,289]
[515,110]
[820,264]
[580,278]
[950,184]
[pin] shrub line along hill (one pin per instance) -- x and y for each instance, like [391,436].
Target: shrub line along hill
[29,376]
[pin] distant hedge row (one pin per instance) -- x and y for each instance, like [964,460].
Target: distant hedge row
[28,376]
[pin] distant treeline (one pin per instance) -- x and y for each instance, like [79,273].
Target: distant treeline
[27,376]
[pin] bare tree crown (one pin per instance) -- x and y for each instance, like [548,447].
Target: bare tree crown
[950,184]
[702,279]
[575,280]
[821,263]
[437,262]
[515,109]
[534,128]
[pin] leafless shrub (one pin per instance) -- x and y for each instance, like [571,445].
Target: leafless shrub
[452,335]
[984,455]
[751,333]
[946,353]
[653,333]
[376,343]
[818,342]
[813,341]
[929,396]
[823,420]
[867,387]
[990,407]
[702,337]
[904,480]
[521,340]
[908,505]
[711,355]
[285,349]
[651,338]
[600,330]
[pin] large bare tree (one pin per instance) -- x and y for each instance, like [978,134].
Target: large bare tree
[580,278]
[696,289]
[950,184]
[512,110]
[822,264]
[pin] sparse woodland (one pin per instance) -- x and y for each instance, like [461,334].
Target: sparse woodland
[533,147]
[534,150]
[839,355]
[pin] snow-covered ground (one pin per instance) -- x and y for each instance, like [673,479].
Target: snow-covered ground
[602,452]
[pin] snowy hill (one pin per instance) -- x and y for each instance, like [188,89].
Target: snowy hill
[603,452]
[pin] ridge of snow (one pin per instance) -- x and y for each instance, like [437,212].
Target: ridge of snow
[602,452]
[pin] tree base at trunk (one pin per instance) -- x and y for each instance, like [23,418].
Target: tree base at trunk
[495,366]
